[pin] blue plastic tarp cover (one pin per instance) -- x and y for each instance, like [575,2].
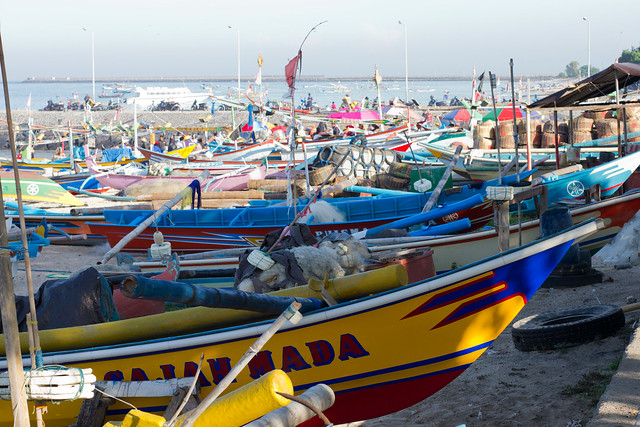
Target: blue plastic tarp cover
[115,154]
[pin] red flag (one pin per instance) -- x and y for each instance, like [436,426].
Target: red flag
[290,70]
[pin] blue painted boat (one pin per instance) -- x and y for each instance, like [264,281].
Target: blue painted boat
[610,176]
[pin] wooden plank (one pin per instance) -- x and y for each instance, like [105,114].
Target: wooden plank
[211,203]
[249,194]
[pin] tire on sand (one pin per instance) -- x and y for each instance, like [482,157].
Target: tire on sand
[559,329]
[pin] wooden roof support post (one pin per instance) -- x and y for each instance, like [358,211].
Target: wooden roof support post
[571,127]
[620,152]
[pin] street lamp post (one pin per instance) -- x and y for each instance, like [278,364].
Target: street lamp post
[406,64]
[93,66]
[238,34]
[588,45]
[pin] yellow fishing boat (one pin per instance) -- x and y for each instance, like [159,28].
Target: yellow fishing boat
[379,353]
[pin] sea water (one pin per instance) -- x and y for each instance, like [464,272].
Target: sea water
[323,93]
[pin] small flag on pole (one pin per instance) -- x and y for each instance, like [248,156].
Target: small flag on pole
[290,71]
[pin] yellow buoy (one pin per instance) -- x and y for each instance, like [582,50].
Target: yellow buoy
[234,409]
[246,403]
[138,418]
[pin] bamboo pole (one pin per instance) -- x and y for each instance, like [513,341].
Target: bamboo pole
[443,180]
[620,152]
[135,128]
[515,124]
[528,125]
[557,137]
[7,302]
[71,159]
[147,222]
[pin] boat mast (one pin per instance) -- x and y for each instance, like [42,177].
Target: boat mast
[492,79]
[515,125]
[135,128]
[292,142]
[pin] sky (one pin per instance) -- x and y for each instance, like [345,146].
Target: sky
[188,38]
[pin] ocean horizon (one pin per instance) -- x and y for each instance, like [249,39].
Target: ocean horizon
[34,93]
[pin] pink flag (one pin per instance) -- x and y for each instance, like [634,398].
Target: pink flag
[291,69]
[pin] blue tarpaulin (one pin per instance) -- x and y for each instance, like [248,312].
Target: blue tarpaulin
[115,154]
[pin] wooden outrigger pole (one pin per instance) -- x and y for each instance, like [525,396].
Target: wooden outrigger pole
[7,300]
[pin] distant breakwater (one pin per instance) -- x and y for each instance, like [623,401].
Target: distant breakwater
[300,79]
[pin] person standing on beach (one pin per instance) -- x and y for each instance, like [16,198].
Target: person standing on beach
[309,102]
[172,144]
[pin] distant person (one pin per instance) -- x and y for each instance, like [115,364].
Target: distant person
[172,144]
[336,130]
[349,130]
[157,148]
[346,102]
[309,102]
[333,106]
[180,143]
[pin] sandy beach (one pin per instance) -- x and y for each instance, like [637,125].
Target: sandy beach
[504,386]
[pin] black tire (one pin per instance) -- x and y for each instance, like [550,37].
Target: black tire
[559,329]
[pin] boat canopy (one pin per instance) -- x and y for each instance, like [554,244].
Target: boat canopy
[600,84]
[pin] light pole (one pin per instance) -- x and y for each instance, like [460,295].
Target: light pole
[238,33]
[584,18]
[406,64]
[93,66]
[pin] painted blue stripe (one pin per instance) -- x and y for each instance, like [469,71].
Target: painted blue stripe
[403,367]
